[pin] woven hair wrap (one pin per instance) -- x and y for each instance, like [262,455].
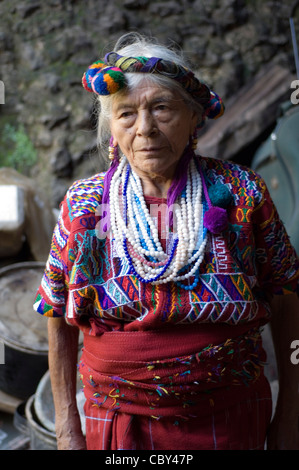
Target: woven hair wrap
[108,76]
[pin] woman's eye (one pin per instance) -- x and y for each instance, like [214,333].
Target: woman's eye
[126,114]
[161,107]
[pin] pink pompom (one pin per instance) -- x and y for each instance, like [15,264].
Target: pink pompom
[215,220]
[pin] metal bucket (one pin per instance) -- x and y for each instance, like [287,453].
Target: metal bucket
[44,404]
[40,416]
[40,437]
[23,331]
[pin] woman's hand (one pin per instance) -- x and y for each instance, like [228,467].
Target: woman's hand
[69,434]
[63,355]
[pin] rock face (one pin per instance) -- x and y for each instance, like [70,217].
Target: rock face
[249,114]
[46,46]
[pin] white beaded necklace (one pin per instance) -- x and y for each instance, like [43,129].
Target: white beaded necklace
[136,234]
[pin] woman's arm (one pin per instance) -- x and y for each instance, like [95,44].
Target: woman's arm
[284,430]
[63,351]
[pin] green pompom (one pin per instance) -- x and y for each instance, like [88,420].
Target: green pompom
[220,195]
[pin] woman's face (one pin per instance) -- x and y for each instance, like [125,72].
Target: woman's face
[152,126]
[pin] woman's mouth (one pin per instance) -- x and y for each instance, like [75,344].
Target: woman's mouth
[151,149]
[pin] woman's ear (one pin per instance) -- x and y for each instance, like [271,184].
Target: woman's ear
[113,142]
[113,149]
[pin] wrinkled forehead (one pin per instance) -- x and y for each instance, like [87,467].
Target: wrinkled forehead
[149,87]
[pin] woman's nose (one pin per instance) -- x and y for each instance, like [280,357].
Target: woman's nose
[146,124]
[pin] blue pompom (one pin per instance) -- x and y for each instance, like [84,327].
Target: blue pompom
[220,195]
[99,85]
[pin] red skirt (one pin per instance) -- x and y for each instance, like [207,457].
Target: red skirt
[186,388]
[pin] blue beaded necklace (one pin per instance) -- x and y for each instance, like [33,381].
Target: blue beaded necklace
[165,266]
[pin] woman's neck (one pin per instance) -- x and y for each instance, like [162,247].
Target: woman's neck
[155,186]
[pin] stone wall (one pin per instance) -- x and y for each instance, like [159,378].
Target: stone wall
[45,46]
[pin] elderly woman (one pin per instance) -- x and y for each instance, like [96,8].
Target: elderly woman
[169,263]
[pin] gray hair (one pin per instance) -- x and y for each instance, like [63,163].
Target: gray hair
[133,44]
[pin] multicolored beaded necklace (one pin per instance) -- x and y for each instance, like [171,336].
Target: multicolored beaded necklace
[137,236]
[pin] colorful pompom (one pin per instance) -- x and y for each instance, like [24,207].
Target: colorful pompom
[220,195]
[92,70]
[216,220]
[103,80]
[85,83]
[215,108]
[108,81]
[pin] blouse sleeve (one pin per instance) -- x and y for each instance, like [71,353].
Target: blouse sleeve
[276,260]
[51,297]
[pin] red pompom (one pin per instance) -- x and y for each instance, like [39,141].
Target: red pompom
[215,220]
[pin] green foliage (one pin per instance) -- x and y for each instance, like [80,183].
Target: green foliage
[17,150]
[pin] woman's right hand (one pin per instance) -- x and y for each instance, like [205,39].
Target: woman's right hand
[69,434]
[71,441]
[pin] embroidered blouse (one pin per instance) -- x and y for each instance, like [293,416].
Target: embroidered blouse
[86,281]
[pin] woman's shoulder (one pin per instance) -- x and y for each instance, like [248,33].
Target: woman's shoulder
[84,195]
[238,177]
[228,168]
